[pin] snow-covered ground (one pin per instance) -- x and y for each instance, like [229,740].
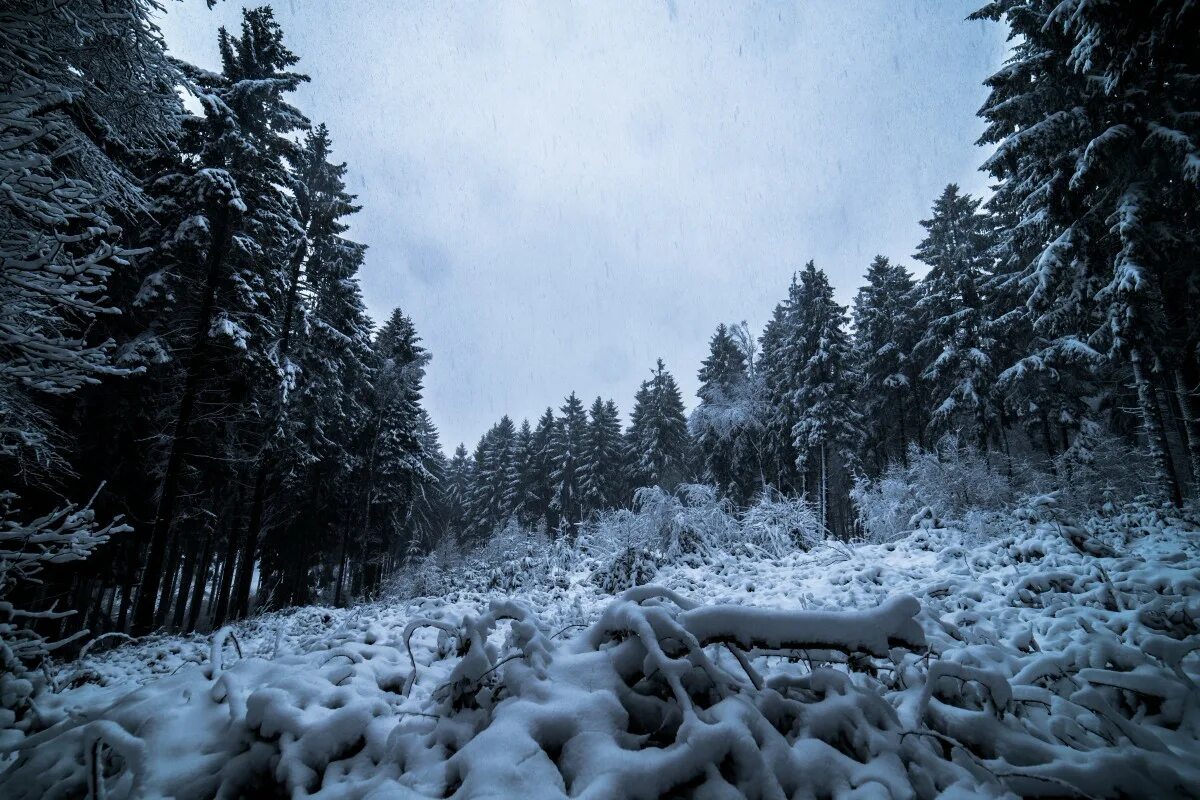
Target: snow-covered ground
[1045,662]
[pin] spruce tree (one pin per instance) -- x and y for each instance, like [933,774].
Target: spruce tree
[490,501]
[89,98]
[601,481]
[884,336]
[826,423]
[229,227]
[566,459]
[457,492]
[726,422]
[777,371]
[1095,163]
[955,353]
[394,462]
[657,440]
[536,469]
[425,524]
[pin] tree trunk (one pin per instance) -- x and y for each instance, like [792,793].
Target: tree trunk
[184,590]
[824,490]
[1187,413]
[198,589]
[337,595]
[126,595]
[168,583]
[297,262]
[143,616]
[1152,427]
[240,604]
[108,608]
[93,616]
[214,586]
[224,588]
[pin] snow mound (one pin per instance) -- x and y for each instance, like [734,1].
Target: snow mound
[926,667]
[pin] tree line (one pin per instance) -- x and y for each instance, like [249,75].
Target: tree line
[1058,313]
[184,339]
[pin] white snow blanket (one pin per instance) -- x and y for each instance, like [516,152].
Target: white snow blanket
[928,667]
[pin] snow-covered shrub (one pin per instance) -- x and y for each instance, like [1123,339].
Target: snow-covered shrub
[777,525]
[953,484]
[27,547]
[960,486]
[633,566]
[622,549]
[691,520]
[514,557]
[886,506]
[429,575]
[692,525]
[1100,469]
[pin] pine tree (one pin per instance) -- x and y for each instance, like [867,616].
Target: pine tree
[536,468]
[826,423]
[394,466]
[1096,163]
[657,439]
[566,459]
[727,421]
[88,93]
[457,492]
[600,483]
[777,372]
[228,229]
[955,353]
[884,336]
[425,525]
[489,504]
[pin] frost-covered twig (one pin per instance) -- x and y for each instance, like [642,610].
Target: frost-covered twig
[111,635]
[217,646]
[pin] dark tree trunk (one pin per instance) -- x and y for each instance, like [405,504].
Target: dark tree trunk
[164,594]
[1187,417]
[126,596]
[198,590]
[214,587]
[97,605]
[1152,428]
[341,579]
[240,604]
[108,608]
[225,586]
[143,616]
[184,590]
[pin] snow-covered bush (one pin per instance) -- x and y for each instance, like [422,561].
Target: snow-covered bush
[1100,469]
[777,525]
[691,520]
[429,575]
[633,566]
[953,484]
[957,485]
[27,547]
[1057,659]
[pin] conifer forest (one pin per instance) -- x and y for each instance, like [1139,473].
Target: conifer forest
[930,531]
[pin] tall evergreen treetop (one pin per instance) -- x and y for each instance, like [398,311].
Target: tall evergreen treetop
[658,436]
[884,335]
[955,353]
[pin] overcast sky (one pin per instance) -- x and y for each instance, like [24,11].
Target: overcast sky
[559,193]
